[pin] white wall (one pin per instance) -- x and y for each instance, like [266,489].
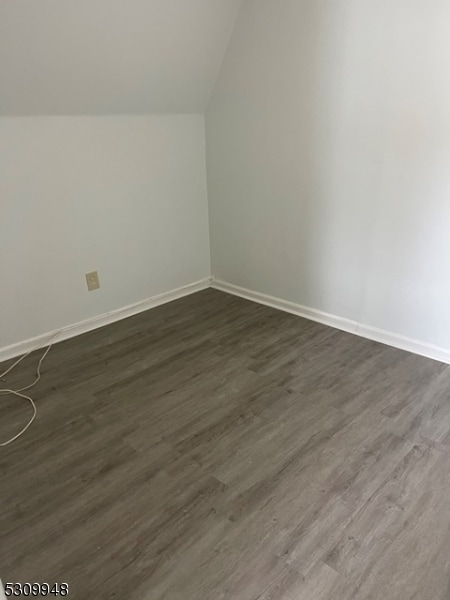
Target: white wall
[71,57]
[123,195]
[328,151]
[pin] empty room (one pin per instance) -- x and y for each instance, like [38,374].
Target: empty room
[225,299]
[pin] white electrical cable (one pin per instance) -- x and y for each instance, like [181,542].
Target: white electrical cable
[18,392]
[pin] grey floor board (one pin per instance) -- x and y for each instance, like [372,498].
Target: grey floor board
[213,448]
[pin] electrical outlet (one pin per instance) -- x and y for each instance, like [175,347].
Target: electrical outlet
[92,281]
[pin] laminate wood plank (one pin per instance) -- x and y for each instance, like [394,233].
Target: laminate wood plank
[214,448]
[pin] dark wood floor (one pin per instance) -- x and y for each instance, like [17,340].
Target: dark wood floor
[216,449]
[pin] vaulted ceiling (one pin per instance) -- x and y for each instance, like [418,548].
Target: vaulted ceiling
[111,56]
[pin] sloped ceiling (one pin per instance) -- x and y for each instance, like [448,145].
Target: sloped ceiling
[111,56]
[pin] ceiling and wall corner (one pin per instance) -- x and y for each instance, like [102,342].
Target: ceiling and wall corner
[327,152]
[89,57]
[102,155]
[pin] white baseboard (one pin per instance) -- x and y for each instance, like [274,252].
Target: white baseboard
[404,343]
[291,307]
[379,335]
[95,322]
